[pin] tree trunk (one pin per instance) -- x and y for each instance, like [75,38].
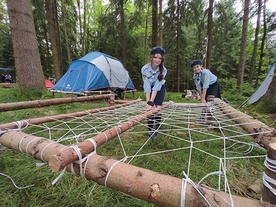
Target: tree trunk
[241,66]
[154,23]
[262,44]
[29,74]
[178,47]
[66,39]
[256,41]
[123,32]
[209,34]
[160,23]
[51,15]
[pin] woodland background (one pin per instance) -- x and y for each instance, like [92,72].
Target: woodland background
[236,39]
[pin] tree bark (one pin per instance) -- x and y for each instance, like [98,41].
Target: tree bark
[178,47]
[123,32]
[29,74]
[154,23]
[160,22]
[52,19]
[209,34]
[262,53]
[243,45]
[256,41]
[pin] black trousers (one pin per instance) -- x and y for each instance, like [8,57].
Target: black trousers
[213,90]
[155,119]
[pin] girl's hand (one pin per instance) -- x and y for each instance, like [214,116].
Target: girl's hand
[149,107]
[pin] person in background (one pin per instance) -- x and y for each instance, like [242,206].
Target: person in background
[153,75]
[205,81]
[8,78]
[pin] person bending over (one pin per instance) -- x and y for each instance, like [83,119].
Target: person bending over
[153,74]
[205,81]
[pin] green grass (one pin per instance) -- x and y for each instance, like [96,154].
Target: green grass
[73,191]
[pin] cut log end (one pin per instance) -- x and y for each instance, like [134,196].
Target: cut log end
[55,164]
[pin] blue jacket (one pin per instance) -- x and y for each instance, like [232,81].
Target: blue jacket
[204,79]
[150,78]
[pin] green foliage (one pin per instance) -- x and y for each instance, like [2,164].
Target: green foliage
[103,33]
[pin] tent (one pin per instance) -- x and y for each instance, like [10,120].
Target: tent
[49,84]
[264,86]
[95,71]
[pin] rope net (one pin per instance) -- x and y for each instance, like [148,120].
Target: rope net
[197,143]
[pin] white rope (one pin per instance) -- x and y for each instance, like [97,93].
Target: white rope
[176,117]
[270,164]
[195,187]
[55,181]
[14,182]
[20,142]
[267,180]
[111,168]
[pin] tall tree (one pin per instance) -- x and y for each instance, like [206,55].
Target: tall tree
[52,18]
[243,45]
[29,74]
[160,23]
[256,41]
[262,43]
[84,28]
[209,34]
[154,23]
[178,47]
[123,31]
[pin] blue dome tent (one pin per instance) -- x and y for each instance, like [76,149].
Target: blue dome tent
[95,71]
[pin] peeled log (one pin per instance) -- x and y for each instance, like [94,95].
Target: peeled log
[24,123]
[162,190]
[68,155]
[40,103]
[263,135]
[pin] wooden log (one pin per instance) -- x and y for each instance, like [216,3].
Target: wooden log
[41,103]
[60,160]
[264,136]
[24,123]
[156,188]
[269,176]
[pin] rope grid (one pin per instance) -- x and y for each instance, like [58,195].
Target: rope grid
[189,130]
